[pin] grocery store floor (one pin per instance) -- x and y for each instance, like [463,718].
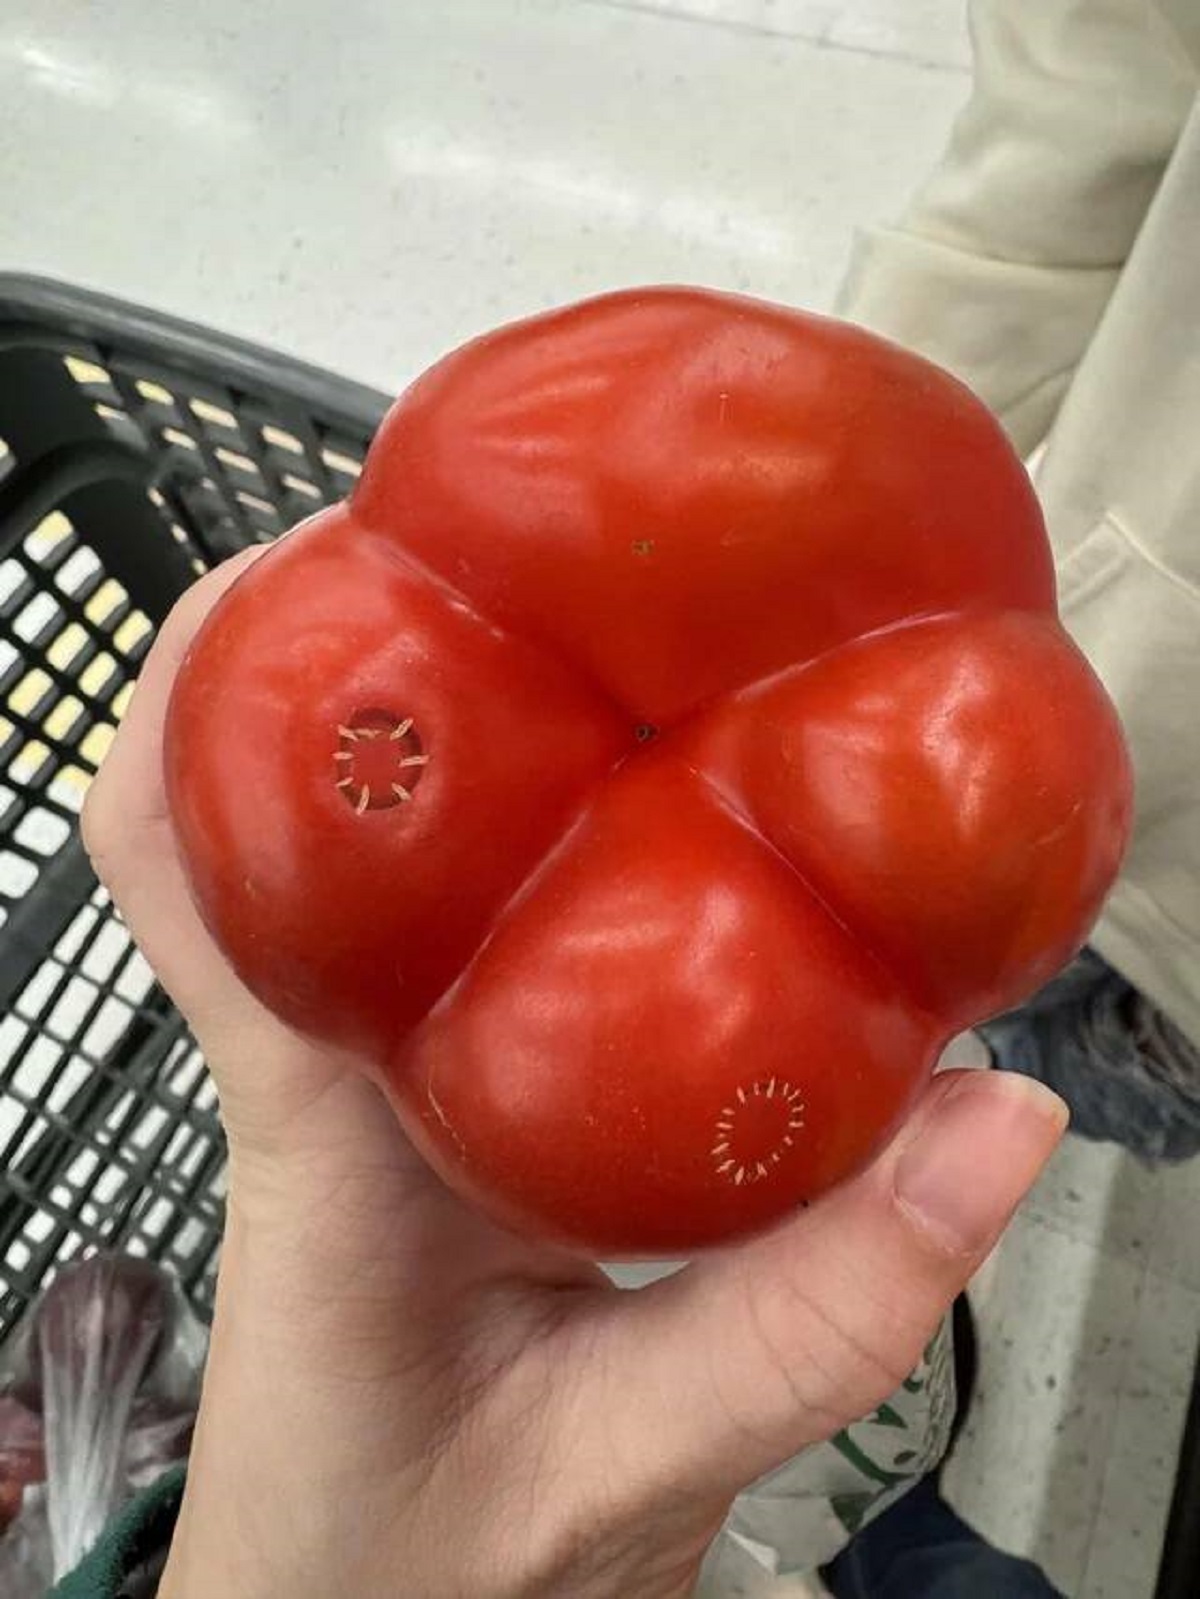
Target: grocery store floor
[365,184]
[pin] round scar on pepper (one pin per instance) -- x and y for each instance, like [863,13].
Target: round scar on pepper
[668,746]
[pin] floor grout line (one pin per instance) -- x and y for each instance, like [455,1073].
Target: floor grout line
[1146,1275]
[878,53]
[821,39]
[753,30]
[1080,1566]
[1122,1381]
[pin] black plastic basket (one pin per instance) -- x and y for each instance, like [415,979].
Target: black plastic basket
[135,452]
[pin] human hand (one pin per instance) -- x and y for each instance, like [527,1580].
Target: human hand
[402,1399]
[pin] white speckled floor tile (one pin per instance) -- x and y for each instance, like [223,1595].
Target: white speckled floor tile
[802,19]
[1175,1247]
[933,32]
[367,185]
[1140,1470]
[926,30]
[1055,1320]
[1100,1194]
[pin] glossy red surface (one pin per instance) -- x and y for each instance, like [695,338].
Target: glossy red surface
[668,747]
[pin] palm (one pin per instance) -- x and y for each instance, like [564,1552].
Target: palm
[372,1203]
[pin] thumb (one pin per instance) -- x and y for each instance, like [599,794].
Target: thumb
[749,1356]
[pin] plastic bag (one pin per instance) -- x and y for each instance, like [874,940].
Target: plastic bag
[97,1397]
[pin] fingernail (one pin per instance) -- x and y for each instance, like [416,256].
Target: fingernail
[976,1156]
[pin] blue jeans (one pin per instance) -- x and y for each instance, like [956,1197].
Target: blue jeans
[1126,1071]
[919,1549]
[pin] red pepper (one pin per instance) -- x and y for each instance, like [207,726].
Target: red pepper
[668,747]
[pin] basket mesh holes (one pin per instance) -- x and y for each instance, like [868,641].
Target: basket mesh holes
[37,1073]
[64,1016]
[105,952]
[190,1236]
[31,620]
[17,875]
[74,572]
[214,416]
[111,1022]
[186,1154]
[136,979]
[89,375]
[50,540]
[68,788]
[40,1227]
[19,1252]
[108,1131]
[343,463]
[80,926]
[12,1033]
[149,1126]
[154,1220]
[67,646]
[38,992]
[238,477]
[12,575]
[191,1075]
[108,1184]
[41,831]
[300,485]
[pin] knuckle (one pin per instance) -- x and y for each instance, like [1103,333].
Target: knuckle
[827,1363]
